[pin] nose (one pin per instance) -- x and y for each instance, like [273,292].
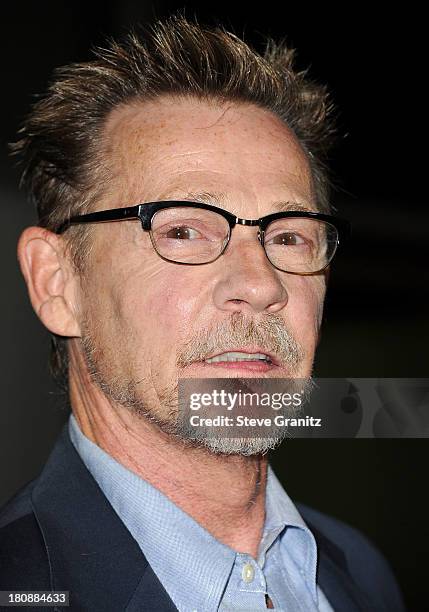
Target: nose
[248,282]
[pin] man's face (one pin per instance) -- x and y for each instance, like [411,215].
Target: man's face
[145,321]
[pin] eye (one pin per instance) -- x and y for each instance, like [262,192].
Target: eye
[287,239]
[182,232]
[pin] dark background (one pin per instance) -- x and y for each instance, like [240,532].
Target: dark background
[376,311]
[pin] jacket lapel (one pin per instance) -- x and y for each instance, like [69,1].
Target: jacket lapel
[150,595]
[334,578]
[90,551]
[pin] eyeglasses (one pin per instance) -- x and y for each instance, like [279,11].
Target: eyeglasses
[193,233]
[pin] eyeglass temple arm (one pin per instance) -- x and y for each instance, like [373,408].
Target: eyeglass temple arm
[115,214]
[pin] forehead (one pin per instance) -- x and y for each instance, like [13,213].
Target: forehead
[170,146]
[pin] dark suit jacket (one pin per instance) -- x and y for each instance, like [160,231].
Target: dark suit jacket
[61,533]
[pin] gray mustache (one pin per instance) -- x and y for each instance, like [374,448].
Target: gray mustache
[270,333]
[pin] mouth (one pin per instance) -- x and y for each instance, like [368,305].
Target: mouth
[251,360]
[238,356]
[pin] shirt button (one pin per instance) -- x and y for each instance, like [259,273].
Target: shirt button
[248,573]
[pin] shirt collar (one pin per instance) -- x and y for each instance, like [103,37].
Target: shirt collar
[295,538]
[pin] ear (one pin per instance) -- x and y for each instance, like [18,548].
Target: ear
[51,280]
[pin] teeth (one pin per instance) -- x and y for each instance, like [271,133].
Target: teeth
[237,356]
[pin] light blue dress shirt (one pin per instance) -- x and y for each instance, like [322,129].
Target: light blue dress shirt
[198,572]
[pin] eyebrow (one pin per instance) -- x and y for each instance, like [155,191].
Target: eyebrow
[219,198]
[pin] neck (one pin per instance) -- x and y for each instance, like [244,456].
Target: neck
[224,494]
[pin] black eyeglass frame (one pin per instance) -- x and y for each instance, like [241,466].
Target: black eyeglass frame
[146,211]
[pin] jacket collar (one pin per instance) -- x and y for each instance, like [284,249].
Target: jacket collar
[93,555]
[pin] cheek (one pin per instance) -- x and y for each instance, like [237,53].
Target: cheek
[164,306]
[142,295]
[305,308]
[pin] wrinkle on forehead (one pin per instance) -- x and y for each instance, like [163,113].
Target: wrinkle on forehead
[150,142]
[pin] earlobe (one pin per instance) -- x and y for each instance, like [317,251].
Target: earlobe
[50,281]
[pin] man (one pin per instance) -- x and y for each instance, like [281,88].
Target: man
[213,159]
